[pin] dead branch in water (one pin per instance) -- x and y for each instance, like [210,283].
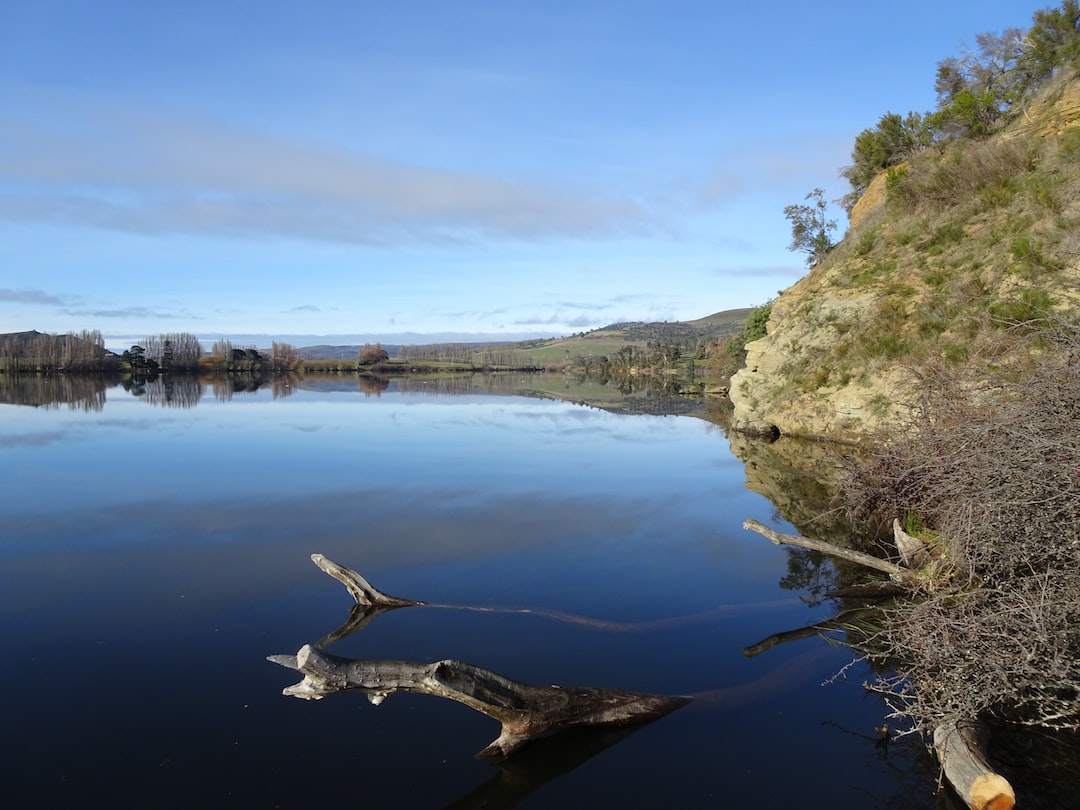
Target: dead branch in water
[858,557]
[527,713]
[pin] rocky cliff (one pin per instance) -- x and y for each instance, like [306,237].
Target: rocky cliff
[949,258]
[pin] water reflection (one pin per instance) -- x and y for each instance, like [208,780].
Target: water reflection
[168,390]
[192,559]
[81,393]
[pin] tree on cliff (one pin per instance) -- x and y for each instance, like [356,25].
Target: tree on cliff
[810,228]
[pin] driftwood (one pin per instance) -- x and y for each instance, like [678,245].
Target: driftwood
[360,589]
[960,748]
[527,713]
[867,560]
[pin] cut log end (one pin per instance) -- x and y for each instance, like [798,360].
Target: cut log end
[991,792]
[960,747]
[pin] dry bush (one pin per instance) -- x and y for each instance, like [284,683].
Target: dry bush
[991,469]
[971,170]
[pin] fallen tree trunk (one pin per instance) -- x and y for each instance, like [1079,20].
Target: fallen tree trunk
[960,748]
[527,713]
[858,557]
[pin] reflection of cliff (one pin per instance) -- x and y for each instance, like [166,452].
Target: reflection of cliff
[51,391]
[801,479]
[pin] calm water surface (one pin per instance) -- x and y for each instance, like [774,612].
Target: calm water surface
[151,558]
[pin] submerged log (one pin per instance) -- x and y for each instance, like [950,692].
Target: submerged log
[858,557]
[527,713]
[960,747]
[840,622]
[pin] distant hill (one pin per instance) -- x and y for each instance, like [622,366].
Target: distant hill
[324,352]
[597,341]
[31,345]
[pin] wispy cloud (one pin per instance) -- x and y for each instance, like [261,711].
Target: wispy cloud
[150,172]
[29,296]
[131,312]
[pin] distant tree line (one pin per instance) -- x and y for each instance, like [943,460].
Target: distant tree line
[41,352]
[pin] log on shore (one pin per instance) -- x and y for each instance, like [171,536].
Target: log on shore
[527,713]
[960,748]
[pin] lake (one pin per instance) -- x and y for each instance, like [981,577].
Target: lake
[155,549]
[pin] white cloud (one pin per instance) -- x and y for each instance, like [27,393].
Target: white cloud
[149,172]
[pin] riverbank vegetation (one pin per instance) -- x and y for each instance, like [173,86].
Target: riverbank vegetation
[988,475]
[987,468]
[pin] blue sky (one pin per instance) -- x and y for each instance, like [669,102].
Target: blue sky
[398,171]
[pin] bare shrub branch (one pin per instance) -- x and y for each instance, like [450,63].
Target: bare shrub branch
[990,470]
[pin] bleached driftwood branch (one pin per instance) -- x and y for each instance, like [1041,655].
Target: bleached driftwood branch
[526,713]
[858,557]
[362,591]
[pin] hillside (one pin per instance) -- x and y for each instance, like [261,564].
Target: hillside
[605,340]
[955,260]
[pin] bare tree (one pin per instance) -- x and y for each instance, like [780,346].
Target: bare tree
[283,357]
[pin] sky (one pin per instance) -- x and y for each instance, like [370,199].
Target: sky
[419,170]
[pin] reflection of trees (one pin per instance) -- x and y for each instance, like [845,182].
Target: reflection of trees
[224,386]
[284,385]
[456,385]
[371,384]
[78,392]
[809,571]
[171,391]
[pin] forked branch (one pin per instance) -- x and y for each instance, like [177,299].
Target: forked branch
[527,713]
